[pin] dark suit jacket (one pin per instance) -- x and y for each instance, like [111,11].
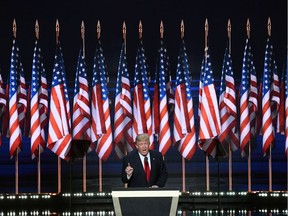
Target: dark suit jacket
[158,172]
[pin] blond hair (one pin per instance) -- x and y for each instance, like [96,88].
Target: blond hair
[142,137]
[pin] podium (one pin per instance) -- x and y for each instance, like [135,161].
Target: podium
[145,201]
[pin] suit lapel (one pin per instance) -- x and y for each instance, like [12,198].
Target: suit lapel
[139,162]
[152,162]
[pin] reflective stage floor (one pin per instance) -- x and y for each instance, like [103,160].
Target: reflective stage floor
[193,203]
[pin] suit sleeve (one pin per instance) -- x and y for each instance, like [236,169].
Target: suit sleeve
[123,173]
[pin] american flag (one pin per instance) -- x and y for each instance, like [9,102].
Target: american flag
[286,109]
[3,106]
[27,118]
[5,126]
[160,102]
[270,98]
[59,131]
[81,126]
[38,103]
[184,123]
[123,109]
[142,118]
[101,130]
[17,100]
[227,105]
[281,112]
[210,126]
[248,100]
[275,89]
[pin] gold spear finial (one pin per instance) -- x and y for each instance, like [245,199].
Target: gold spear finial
[82,30]
[229,28]
[248,28]
[140,30]
[98,29]
[14,28]
[206,35]
[269,26]
[124,31]
[57,31]
[37,29]
[182,29]
[124,35]
[161,30]
[83,37]
[229,34]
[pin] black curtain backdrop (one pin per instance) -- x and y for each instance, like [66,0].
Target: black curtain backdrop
[112,14]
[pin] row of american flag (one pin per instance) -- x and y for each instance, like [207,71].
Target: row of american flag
[230,119]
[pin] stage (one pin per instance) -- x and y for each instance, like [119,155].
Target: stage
[101,203]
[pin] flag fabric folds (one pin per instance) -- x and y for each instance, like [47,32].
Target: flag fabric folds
[184,123]
[38,103]
[17,100]
[3,107]
[210,125]
[142,116]
[286,108]
[101,130]
[229,135]
[270,98]
[59,130]
[123,109]
[81,102]
[280,128]
[160,101]
[248,100]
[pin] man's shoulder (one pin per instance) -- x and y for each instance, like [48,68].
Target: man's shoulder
[155,153]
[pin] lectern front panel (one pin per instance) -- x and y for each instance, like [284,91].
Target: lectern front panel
[150,201]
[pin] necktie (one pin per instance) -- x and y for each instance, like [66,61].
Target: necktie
[147,169]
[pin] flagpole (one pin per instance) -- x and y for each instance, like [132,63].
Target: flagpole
[59,159]
[270,151]
[182,29]
[16,156]
[100,160]
[124,42]
[84,162]
[249,143]
[207,158]
[229,149]
[38,158]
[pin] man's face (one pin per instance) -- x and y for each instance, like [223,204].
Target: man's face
[142,147]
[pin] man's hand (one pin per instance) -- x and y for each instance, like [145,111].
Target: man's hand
[129,170]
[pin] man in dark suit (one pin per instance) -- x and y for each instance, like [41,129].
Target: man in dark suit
[141,159]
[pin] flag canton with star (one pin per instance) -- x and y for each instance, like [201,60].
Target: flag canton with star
[164,70]
[99,77]
[59,71]
[227,69]
[123,68]
[36,69]
[183,73]
[80,72]
[208,74]
[246,68]
[268,62]
[15,69]
[141,71]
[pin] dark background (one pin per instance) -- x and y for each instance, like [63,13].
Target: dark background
[111,15]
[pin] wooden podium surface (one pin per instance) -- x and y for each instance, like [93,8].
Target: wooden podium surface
[145,201]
